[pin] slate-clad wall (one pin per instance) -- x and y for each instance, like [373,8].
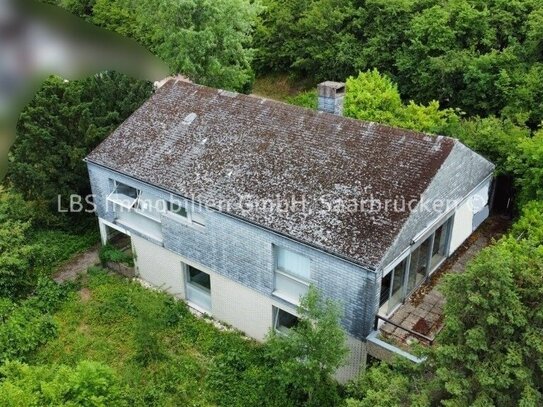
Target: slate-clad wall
[244,253]
[461,172]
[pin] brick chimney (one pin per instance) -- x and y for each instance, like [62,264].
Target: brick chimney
[331,96]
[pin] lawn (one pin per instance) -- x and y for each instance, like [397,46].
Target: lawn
[162,354]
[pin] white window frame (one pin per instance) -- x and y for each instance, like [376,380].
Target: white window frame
[190,218]
[276,328]
[112,197]
[288,276]
[188,283]
[143,212]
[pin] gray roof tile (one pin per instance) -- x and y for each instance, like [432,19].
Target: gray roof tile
[215,146]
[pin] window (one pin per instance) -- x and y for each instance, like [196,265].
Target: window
[441,237]
[198,288]
[385,289]
[392,292]
[418,267]
[292,275]
[149,206]
[396,295]
[283,321]
[191,215]
[178,209]
[123,195]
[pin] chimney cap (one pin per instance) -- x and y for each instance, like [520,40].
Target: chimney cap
[331,88]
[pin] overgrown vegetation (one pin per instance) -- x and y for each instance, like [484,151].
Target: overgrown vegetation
[60,126]
[28,248]
[484,57]
[465,68]
[109,253]
[161,354]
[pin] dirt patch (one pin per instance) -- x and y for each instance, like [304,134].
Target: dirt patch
[422,327]
[78,265]
[85,295]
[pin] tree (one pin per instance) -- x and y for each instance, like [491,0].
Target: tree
[207,40]
[306,357]
[484,58]
[526,164]
[61,125]
[383,385]
[491,349]
[375,97]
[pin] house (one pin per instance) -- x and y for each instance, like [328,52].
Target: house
[237,204]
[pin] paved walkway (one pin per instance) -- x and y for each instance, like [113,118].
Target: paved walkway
[422,312]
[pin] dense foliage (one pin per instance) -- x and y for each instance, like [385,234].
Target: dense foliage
[310,353]
[60,126]
[86,384]
[210,41]
[27,248]
[28,324]
[484,57]
[491,349]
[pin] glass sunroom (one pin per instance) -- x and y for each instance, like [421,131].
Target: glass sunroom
[408,273]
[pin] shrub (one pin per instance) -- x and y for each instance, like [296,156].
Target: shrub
[24,329]
[109,253]
[304,99]
[304,359]
[87,384]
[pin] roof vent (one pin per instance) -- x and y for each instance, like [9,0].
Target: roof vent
[189,119]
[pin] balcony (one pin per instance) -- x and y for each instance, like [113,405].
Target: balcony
[140,224]
[136,210]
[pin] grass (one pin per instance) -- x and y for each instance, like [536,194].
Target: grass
[279,87]
[58,246]
[163,355]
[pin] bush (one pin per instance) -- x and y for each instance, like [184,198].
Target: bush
[304,99]
[28,325]
[304,360]
[108,253]
[23,330]
[87,384]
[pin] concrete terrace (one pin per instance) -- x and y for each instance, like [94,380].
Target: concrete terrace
[422,312]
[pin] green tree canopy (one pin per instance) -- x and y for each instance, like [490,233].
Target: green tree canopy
[210,41]
[61,125]
[484,57]
[306,357]
[491,349]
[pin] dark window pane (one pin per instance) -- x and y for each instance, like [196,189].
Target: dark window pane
[199,278]
[285,320]
[126,190]
[177,209]
[385,288]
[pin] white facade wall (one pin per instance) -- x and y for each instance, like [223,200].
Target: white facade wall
[232,303]
[158,266]
[463,217]
[472,207]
